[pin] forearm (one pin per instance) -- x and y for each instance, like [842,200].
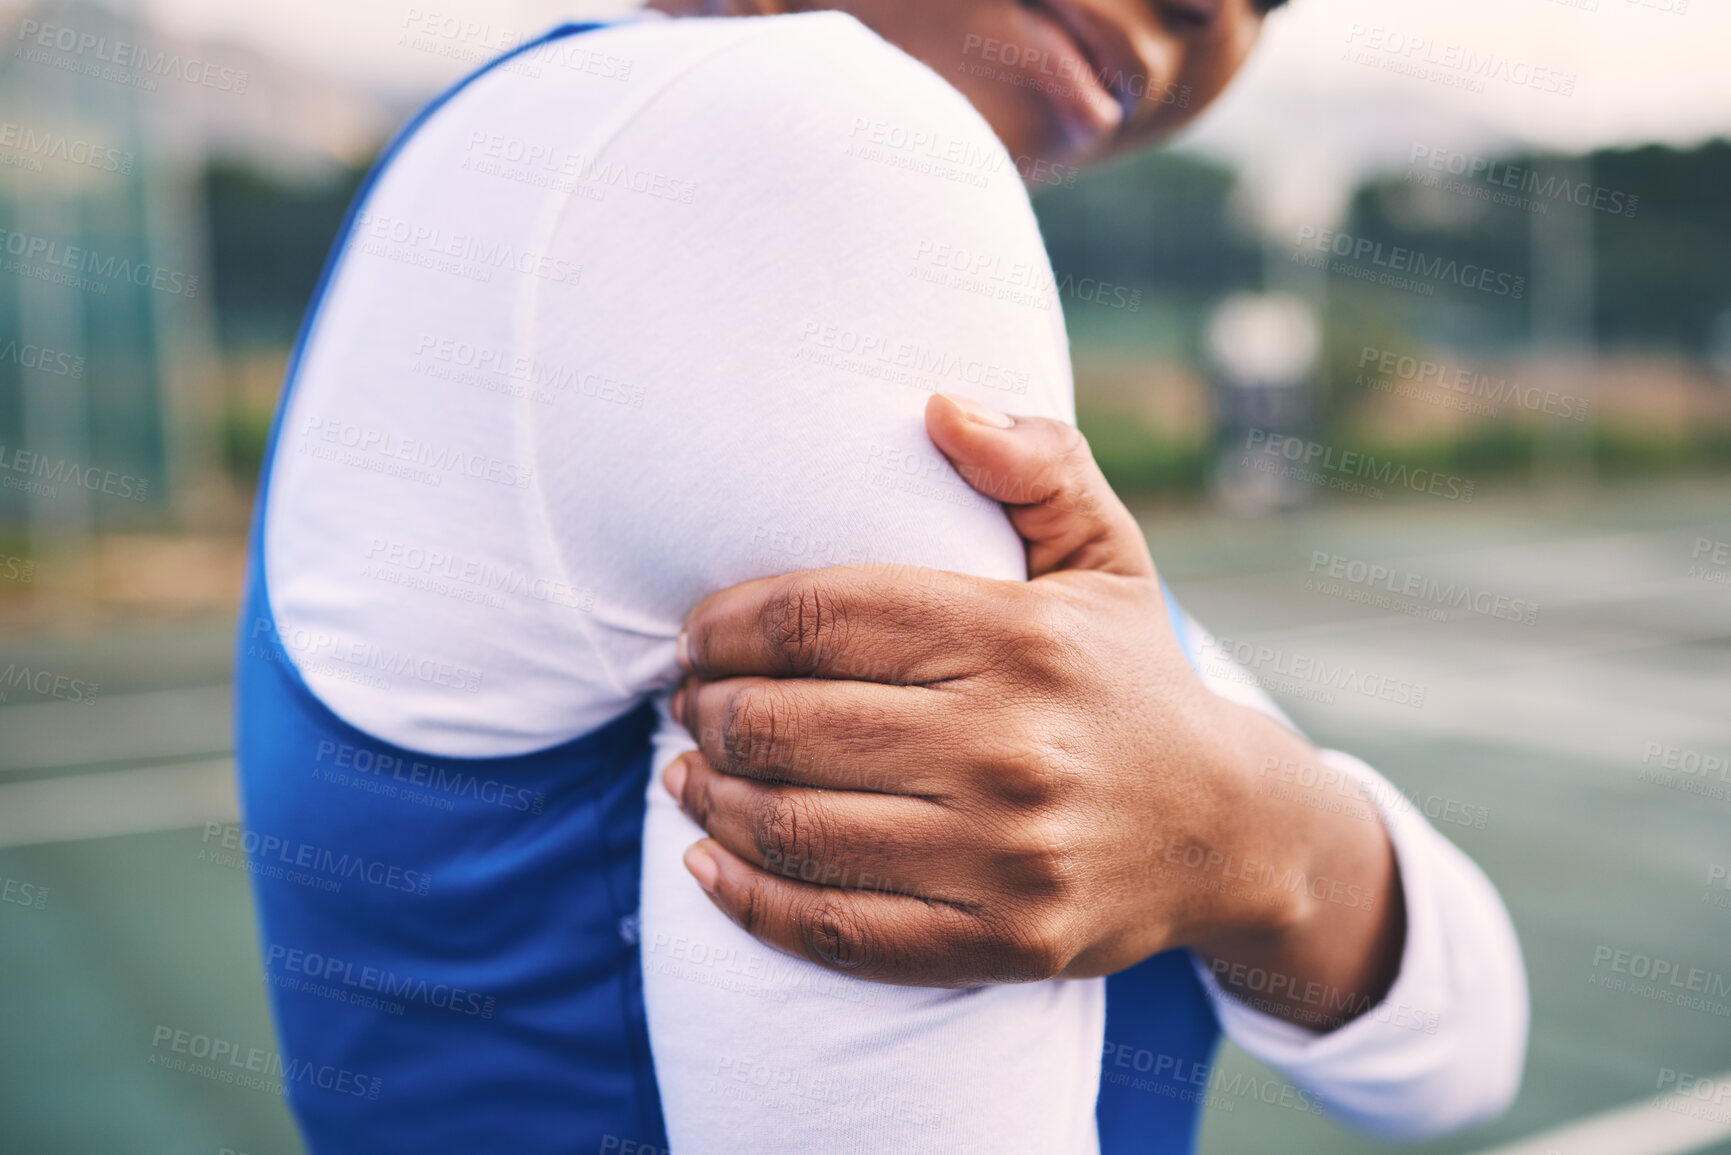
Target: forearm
[1315,924]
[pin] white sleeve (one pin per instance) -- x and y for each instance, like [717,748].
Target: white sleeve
[604,343]
[856,239]
[1444,1048]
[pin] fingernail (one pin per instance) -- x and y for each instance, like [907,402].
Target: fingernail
[702,866]
[682,650]
[677,706]
[980,414]
[674,780]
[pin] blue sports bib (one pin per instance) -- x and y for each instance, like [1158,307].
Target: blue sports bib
[450,944]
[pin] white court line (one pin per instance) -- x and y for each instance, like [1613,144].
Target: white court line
[117,802]
[1670,1124]
[120,728]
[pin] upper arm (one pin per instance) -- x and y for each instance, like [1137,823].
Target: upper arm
[596,349]
[785,324]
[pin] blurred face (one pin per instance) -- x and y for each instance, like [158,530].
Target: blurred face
[1063,81]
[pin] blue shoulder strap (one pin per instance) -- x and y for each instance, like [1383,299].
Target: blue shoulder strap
[1161,1035]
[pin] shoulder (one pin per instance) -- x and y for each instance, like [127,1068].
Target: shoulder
[779,96]
[825,84]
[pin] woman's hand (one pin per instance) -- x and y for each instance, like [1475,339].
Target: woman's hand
[925,778]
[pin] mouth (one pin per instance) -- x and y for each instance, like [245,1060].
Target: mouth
[1088,87]
[1108,64]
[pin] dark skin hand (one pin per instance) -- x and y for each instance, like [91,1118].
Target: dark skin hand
[932,779]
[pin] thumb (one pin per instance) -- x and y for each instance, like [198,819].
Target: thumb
[1044,473]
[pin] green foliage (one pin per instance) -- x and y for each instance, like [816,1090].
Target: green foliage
[245,435]
[1158,221]
[1136,458]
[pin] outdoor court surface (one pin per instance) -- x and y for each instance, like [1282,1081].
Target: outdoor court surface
[1528,744]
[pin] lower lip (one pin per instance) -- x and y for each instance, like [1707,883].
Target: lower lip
[1088,111]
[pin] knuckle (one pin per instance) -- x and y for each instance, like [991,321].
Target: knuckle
[1024,771]
[786,831]
[1072,469]
[833,931]
[1040,855]
[1039,953]
[753,724]
[801,621]
[1043,639]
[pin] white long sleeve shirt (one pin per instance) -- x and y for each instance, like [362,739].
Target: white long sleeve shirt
[609,337]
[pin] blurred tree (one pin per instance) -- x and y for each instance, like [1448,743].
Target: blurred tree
[268,242]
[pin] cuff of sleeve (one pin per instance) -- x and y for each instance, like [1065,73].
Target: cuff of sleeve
[1406,1066]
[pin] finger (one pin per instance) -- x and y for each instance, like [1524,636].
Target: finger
[867,934]
[825,837]
[838,735]
[1044,473]
[892,624]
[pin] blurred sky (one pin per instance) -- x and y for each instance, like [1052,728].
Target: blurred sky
[1304,122]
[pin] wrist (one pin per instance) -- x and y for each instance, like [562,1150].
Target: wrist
[1324,939]
[1267,850]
